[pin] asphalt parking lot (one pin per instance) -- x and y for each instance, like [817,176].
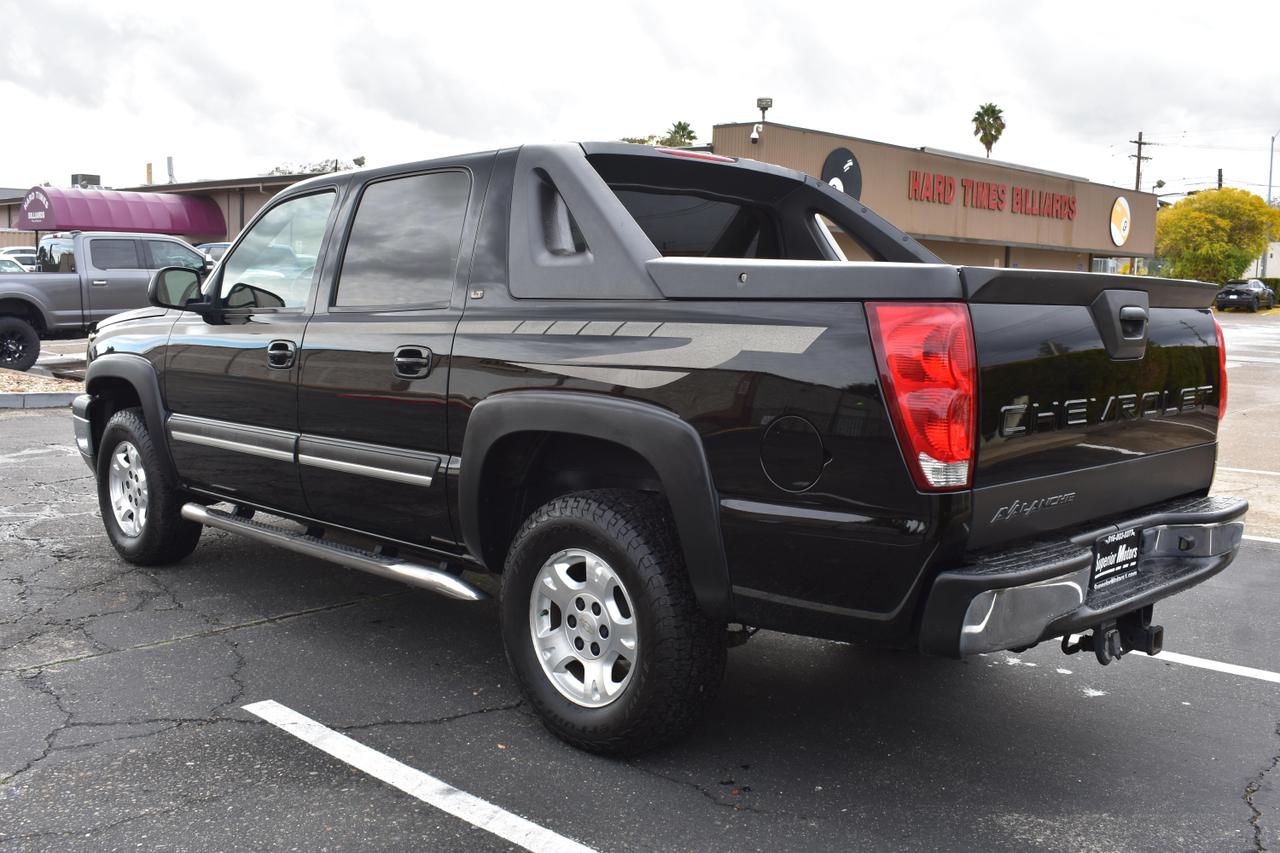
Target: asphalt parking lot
[122,694]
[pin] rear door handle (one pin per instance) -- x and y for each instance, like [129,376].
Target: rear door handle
[99,282]
[280,354]
[412,361]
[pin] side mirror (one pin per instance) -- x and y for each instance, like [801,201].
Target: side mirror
[177,287]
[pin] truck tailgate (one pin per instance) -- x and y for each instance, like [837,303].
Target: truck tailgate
[1097,394]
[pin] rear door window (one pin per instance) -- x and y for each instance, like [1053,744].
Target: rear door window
[404,242]
[114,254]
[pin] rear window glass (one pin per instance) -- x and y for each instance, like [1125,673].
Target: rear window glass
[114,254]
[693,226]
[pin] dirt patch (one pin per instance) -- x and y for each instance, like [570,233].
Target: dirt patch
[13,382]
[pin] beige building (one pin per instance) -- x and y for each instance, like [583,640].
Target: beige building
[967,210]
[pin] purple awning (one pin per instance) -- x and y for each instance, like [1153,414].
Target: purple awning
[54,209]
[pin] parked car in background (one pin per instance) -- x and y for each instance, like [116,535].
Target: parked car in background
[25,255]
[10,265]
[84,278]
[214,251]
[1245,293]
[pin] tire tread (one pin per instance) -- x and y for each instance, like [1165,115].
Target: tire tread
[686,647]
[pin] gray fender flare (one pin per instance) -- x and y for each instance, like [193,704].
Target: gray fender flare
[670,445]
[33,303]
[140,374]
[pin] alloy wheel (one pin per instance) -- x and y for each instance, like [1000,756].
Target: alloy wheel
[127,486]
[583,627]
[13,348]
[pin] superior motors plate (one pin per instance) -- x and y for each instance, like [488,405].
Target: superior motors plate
[1115,557]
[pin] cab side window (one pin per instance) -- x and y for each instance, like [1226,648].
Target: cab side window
[165,253]
[274,264]
[114,254]
[404,242]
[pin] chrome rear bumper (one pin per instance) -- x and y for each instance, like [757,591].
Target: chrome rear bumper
[1017,597]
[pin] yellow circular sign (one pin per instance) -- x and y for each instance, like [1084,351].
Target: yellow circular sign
[1121,220]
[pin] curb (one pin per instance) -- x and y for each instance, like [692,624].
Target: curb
[38,400]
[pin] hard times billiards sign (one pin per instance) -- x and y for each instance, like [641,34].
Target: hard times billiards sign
[988,195]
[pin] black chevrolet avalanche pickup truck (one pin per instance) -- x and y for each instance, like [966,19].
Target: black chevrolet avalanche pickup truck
[648,392]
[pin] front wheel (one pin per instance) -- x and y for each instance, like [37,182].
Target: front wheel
[601,626]
[141,505]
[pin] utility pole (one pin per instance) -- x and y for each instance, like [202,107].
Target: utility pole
[1270,166]
[1219,178]
[1137,185]
[1137,180]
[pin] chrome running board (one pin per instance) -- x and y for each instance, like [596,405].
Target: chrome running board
[395,568]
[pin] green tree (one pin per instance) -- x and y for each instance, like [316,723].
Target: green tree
[679,135]
[1214,235]
[988,125]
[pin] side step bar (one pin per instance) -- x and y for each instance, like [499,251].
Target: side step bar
[415,574]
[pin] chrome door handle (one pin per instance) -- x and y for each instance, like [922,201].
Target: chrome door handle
[412,362]
[99,282]
[280,354]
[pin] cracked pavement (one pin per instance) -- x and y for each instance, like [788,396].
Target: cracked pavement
[121,724]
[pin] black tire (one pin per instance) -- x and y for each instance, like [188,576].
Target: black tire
[681,650]
[19,344]
[165,536]
[1253,306]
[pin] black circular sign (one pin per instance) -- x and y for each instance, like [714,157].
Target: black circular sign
[841,170]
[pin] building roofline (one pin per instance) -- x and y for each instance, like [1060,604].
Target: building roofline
[937,152]
[221,183]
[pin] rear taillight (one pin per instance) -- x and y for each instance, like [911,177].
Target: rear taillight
[929,374]
[1222,370]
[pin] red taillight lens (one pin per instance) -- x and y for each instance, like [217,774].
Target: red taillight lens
[929,374]
[1222,370]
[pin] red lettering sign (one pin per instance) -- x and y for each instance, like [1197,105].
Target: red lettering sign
[986,195]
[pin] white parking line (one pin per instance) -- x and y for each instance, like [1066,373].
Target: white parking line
[1272,540]
[1217,666]
[415,783]
[1249,471]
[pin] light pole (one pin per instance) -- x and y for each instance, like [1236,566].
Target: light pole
[1271,163]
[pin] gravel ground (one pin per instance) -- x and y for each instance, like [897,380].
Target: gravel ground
[14,382]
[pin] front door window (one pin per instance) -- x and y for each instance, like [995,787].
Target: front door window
[274,264]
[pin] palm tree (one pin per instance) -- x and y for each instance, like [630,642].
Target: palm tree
[988,124]
[680,134]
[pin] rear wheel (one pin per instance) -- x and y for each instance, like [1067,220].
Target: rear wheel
[1253,305]
[19,344]
[141,505]
[601,626]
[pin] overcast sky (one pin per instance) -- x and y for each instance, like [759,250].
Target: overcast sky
[232,89]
